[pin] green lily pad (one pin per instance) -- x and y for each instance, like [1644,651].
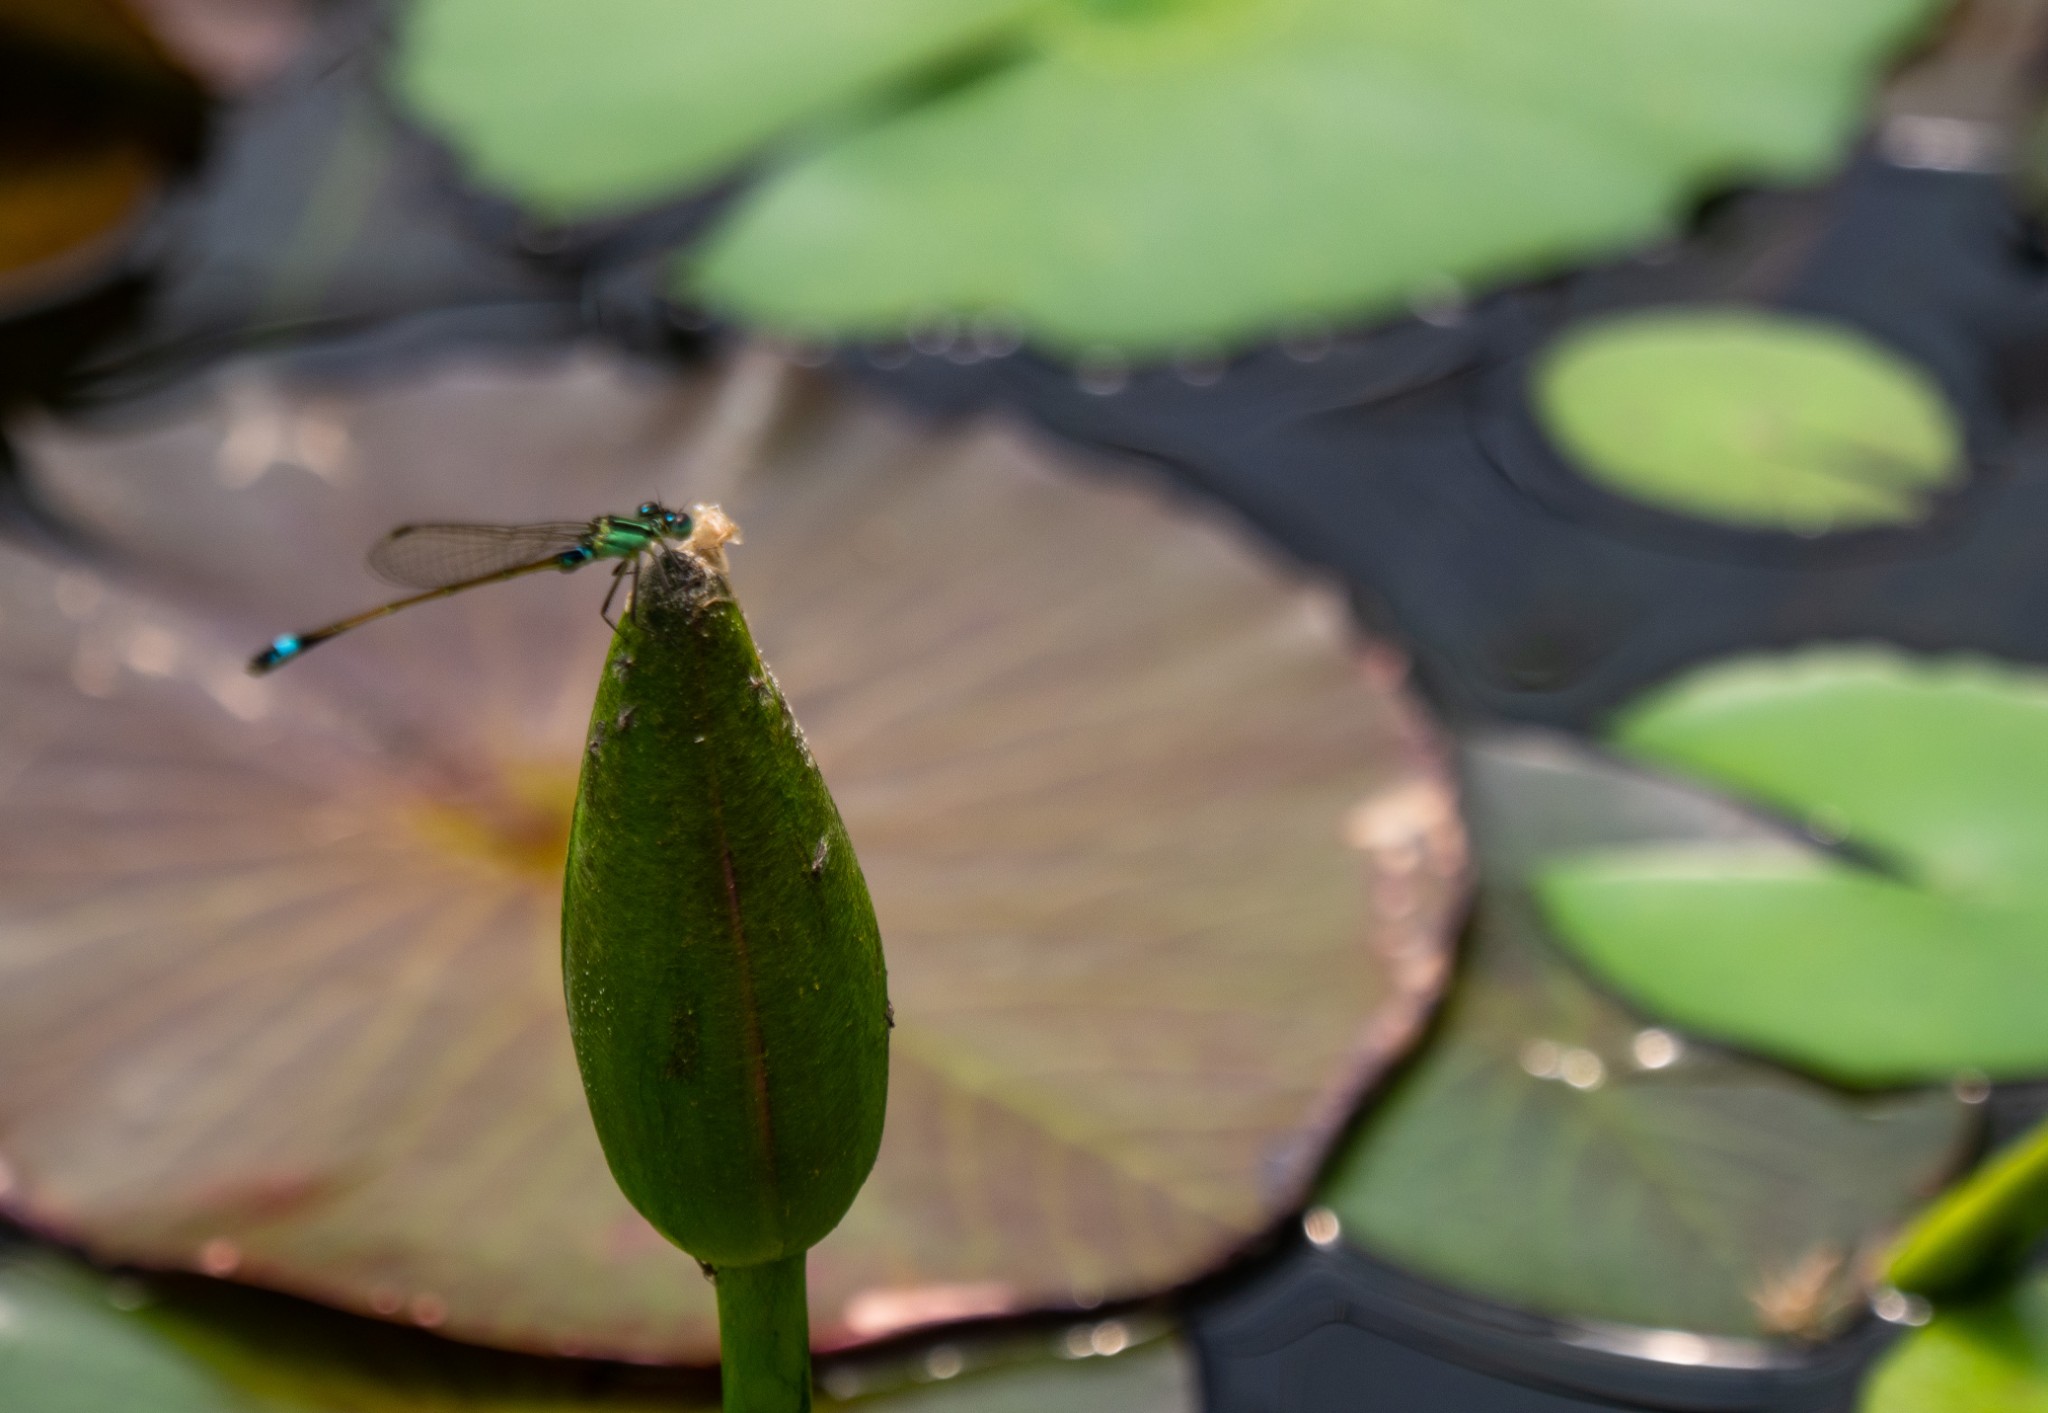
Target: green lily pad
[1143,175]
[65,1349]
[1751,419]
[281,957]
[1554,1151]
[606,104]
[76,1341]
[1988,1357]
[83,1342]
[1925,957]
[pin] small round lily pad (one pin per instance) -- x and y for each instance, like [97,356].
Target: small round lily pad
[1752,419]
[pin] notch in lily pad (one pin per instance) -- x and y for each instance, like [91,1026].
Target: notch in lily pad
[1750,419]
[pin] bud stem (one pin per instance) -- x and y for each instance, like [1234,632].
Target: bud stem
[764,1337]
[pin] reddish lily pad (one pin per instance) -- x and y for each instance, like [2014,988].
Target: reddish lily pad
[1164,867]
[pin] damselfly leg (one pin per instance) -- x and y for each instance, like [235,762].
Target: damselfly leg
[618,577]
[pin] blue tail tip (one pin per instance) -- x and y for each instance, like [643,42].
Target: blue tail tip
[281,650]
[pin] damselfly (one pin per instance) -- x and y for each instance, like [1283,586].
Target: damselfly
[446,559]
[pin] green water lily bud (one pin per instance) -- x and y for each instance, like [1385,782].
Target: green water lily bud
[724,972]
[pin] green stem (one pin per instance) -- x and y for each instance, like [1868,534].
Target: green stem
[764,1337]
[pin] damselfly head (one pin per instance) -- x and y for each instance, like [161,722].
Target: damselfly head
[672,523]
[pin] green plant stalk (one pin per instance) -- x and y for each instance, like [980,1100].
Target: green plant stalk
[1980,1231]
[765,1356]
[723,970]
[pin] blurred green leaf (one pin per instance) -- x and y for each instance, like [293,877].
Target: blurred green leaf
[75,1341]
[1927,960]
[65,1349]
[1146,175]
[283,1356]
[1990,1357]
[1551,1151]
[605,104]
[1981,1230]
[1750,418]
[1140,173]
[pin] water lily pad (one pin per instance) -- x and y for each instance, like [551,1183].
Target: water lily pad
[1752,419]
[598,106]
[1554,1151]
[1990,1357]
[65,1349]
[79,1341]
[1921,956]
[76,1341]
[1163,870]
[1142,175]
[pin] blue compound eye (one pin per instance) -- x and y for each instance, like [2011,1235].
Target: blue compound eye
[646,509]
